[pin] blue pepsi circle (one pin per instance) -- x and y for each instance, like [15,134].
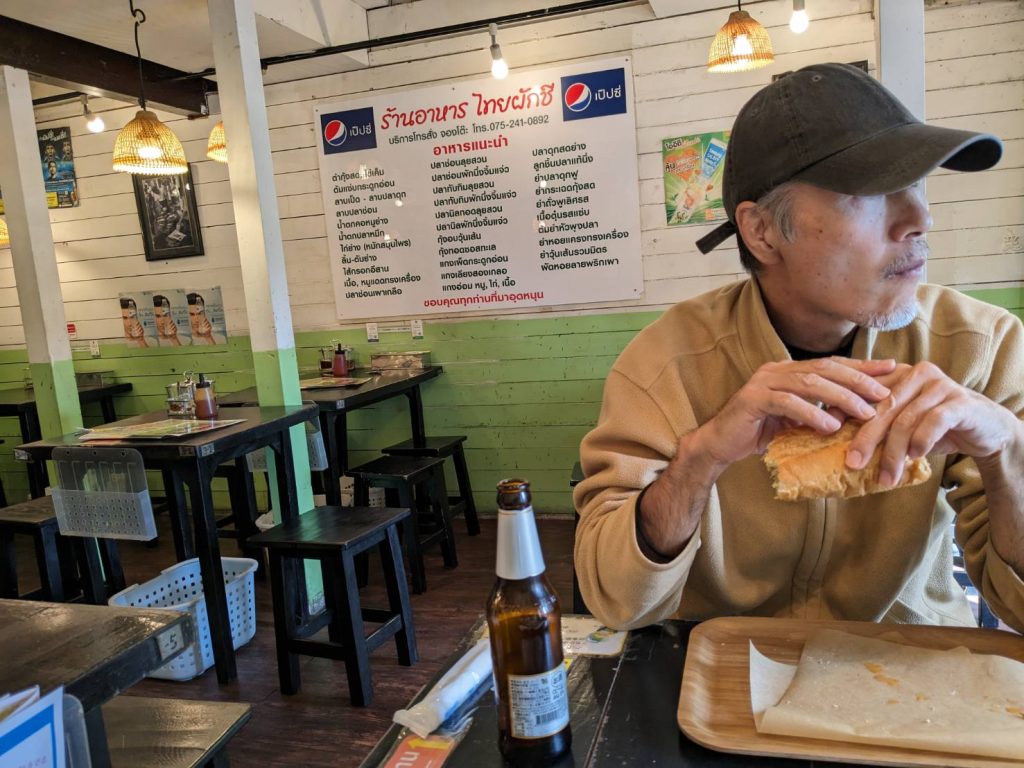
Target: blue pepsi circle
[335,133]
[577,97]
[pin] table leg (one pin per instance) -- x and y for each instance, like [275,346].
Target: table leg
[107,407]
[419,432]
[198,477]
[332,475]
[30,432]
[178,514]
[287,490]
[99,752]
[341,439]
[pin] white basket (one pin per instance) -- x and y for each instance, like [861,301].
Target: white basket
[180,588]
[257,460]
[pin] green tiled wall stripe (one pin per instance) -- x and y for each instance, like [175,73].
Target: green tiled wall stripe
[524,391]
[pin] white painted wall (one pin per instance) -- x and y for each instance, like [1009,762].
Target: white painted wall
[975,79]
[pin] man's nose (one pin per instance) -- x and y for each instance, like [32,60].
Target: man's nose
[909,213]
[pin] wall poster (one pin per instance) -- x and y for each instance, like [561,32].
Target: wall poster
[484,194]
[173,318]
[57,158]
[694,166]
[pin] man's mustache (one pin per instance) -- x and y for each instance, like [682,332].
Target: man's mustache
[916,253]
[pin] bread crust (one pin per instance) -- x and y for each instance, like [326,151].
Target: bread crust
[805,464]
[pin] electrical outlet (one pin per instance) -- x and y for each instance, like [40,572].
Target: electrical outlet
[94,347]
[372,333]
[417,329]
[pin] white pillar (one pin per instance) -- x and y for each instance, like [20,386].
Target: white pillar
[899,26]
[35,262]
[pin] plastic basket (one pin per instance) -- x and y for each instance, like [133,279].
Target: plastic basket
[257,460]
[180,588]
[102,492]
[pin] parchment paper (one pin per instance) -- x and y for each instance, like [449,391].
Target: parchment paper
[859,689]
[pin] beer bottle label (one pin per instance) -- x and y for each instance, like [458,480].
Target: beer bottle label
[539,704]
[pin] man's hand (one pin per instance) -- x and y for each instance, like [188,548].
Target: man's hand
[782,394]
[927,411]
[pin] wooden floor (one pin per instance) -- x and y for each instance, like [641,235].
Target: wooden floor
[318,726]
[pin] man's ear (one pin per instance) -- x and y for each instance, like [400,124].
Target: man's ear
[757,235]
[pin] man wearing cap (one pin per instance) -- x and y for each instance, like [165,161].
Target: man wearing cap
[678,519]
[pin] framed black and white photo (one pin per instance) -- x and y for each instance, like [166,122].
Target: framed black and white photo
[168,214]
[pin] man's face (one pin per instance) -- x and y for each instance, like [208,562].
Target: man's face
[67,147]
[857,259]
[51,151]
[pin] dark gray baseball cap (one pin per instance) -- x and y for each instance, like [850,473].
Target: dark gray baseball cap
[836,127]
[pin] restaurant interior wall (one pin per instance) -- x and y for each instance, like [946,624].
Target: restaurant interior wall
[525,387]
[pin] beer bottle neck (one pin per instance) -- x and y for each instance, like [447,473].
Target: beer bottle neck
[519,555]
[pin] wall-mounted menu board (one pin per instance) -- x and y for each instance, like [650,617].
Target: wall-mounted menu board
[484,194]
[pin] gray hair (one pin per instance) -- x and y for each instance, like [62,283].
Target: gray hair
[778,204]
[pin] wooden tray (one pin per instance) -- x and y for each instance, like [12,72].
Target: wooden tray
[714,703]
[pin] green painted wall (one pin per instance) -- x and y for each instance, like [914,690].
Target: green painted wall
[523,391]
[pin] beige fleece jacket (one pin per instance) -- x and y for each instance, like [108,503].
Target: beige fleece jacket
[884,557]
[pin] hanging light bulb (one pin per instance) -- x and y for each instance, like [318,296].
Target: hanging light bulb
[499,69]
[741,44]
[145,145]
[799,21]
[92,121]
[217,146]
[5,236]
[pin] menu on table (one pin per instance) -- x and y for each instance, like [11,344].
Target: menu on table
[155,430]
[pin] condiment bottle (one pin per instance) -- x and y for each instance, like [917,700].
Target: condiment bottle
[525,625]
[206,402]
[340,363]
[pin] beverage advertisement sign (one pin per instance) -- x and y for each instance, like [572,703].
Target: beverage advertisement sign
[484,194]
[694,166]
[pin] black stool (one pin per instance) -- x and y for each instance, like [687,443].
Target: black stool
[417,484]
[444,447]
[36,518]
[334,536]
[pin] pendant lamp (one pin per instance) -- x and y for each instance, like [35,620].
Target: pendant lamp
[5,236]
[145,145]
[217,146]
[740,45]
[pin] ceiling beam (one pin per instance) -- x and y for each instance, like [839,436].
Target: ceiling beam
[78,65]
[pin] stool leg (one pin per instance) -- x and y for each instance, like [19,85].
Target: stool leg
[440,501]
[398,597]
[411,539]
[466,491]
[284,625]
[89,570]
[243,508]
[332,599]
[111,564]
[8,567]
[48,562]
[350,623]
[361,492]
[177,512]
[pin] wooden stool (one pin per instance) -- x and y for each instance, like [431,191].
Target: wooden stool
[417,484]
[445,447]
[36,518]
[170,733]
[334,536]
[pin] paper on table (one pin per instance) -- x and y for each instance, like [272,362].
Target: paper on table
[465,676]
[859,689]
[583,636]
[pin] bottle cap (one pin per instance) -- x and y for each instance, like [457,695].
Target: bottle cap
[202,382]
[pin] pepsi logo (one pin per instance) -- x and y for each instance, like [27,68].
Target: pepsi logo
[577,97]
[335,133]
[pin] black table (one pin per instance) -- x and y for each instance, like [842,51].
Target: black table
[21,402]
[335,404]
[95,652]
[193,460]
[623,713]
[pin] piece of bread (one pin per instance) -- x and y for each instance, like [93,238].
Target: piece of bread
[805,464]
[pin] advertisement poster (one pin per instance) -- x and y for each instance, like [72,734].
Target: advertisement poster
[484,194]
[139,323]
[170,316]
[694,166]
[206,316]
[58,162]
[173,318]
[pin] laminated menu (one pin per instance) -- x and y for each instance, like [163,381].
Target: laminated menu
[859,689]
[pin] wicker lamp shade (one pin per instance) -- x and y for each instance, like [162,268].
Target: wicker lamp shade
[5,236]
[741,44]
[147,146]
[217,146]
